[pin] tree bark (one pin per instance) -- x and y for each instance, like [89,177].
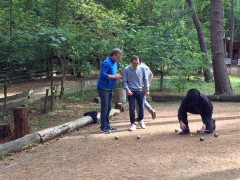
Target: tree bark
[119,96]
[52,97]
[207,74]
[64,64]
[21,122]
[222,82]
[218,98]
[19,144]
[231,30]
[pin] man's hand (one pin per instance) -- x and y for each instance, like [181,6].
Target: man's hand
[129,93]
[118,76]
[203,127]
[147,93]
[182,125]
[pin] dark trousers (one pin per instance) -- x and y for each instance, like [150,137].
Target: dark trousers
[106,105]
[139,97]
[206,118]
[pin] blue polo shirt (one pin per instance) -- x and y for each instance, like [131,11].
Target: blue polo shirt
[108,67]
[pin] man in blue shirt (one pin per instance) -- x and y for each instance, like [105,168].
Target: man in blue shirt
[106,84]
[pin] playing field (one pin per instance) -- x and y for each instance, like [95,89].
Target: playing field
[160,153]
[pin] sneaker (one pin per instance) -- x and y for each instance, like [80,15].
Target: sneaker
[184,132]
[132,127]
[142,124]
[106,131]
[112,129]
[153,113]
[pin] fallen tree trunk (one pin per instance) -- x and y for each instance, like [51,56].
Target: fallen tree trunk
[80,123]
[19,144]
[53,132]
[166,98]
[113,112]
[220,98]
[47,134]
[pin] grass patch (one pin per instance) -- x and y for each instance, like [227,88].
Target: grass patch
[44,122]
[79,97]
[170,88]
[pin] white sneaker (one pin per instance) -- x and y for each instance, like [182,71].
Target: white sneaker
[132,127]
[142,124]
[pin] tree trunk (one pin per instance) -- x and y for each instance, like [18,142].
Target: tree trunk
[231,31]
[207,74]
[161,79]
[52,97]
[64,72]
[21,122]
[19,144]
[217,98]
[119,96]
[222,82]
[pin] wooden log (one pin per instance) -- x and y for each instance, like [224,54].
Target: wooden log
[88,120]
[5,130]
[120,96]
[113,112]
[220,98]
[81,122]
[21,122]
[166,98]
[53,132]
[19,144]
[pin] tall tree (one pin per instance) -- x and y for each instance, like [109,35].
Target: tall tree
[207,74]
[231,30]
[222,82]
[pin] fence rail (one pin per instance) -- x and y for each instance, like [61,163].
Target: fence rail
[31,96]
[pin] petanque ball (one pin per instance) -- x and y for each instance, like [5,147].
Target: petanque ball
[138,136]
[201,138]
[176,130]
[116,137]
[215,135]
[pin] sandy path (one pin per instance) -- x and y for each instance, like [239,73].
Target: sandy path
[159,154]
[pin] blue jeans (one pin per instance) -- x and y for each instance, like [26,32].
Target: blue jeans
[106,105]
[139,96]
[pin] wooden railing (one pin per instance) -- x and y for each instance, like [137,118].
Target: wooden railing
[31,96]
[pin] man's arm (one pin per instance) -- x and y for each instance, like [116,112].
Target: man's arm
[145,81]
[181,113]
[104,72]
[125,80]
[150,77]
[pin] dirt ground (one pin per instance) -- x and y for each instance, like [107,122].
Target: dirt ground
[159,154]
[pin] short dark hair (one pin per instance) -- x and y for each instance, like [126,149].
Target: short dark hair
[193,95]
[116,51]
[134,57]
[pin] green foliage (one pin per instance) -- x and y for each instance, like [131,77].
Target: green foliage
[81,31]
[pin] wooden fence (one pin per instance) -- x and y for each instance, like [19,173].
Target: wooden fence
[31,96]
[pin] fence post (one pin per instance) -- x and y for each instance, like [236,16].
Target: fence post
[5,99]
[21,122]
[46,101]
